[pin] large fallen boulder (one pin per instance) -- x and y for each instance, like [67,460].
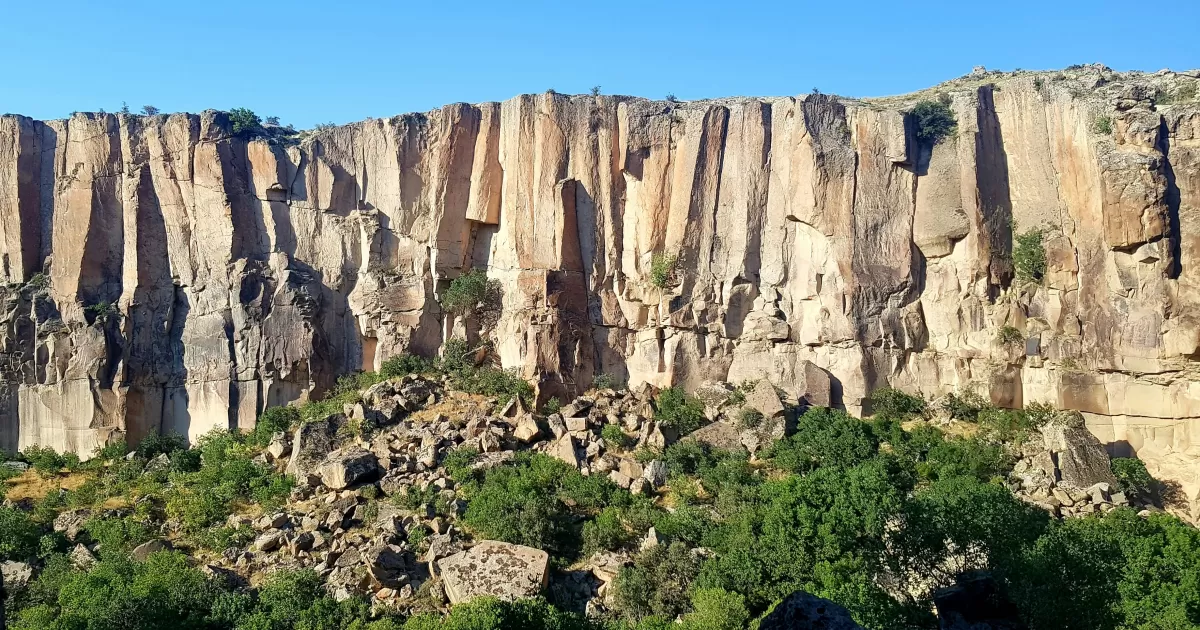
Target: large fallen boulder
[801,611]
[343,468]
[1079,458]
[311,442]
[495,569]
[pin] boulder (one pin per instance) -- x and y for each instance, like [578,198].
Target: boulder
[311,442]
[82,557]
[495,569]
[721,435]
[16,574]
[1079,457]
[801,611]
[345,467]
[563,449]
[765,399]
[655,473]
[527,429]
[143,551]
[71,522]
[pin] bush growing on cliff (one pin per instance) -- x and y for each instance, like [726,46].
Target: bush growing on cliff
[245,123]
[470,292]
[1102,125]
[1010,336]
[662,269]
[934,121]
[1029,255]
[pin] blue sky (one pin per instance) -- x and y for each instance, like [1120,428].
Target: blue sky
[309,62]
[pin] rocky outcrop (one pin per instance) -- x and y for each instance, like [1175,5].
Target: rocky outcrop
[165,275]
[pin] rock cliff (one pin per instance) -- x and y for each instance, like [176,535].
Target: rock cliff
[164,274]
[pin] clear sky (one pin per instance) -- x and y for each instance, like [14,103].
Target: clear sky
[310,62]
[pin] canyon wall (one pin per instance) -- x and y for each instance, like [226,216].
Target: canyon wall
[165,275]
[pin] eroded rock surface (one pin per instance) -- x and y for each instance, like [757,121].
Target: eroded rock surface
[164,275]
[495,569]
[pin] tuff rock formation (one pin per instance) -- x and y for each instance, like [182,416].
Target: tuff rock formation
[164,275]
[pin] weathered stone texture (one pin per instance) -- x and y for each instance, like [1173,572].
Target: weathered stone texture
[821,247]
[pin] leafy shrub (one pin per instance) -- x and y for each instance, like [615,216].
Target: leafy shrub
[934,121]
[825,437]
[605,381]
[893,403]
[750,418]
[227,474]
[18,535]
[552,406]
[273,420]
[679,411]
[38,281]
[489,613]
[605,532]
[149,110]
[614,436]
[965,405]
[457,463]
[45,460]
[1132,476]
[1008,425]
[246,124]
[533,501]
[662,269]
[1102,125]
[404,364]
[103,311]
[1010,336]
[960,456]
[156,444]
[470,292]
[716,609]
[658,583]
[1029,255]
[503,385]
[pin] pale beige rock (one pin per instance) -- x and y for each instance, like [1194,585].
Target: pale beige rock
[494,569]
[820,248]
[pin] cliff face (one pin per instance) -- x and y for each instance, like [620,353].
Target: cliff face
[192,278]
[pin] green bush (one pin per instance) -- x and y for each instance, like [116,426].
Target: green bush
[965,405]
[825,437]
[675,409]
[18,535]
[1132,476]
[662,269]
[102,311]
[227,474]
[45,460]
[245,123]
[405,364]
[605,532]
[1010,336]
[1102,125]
[716,609]
[934,121]
[658,583]
[458,463]
[893,403]
[274,420]
[156,444]
[535,501]
[614,436]
[750,418]
[470,292]
[1029,255]
[605,381]
[960,456]
[488,613]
